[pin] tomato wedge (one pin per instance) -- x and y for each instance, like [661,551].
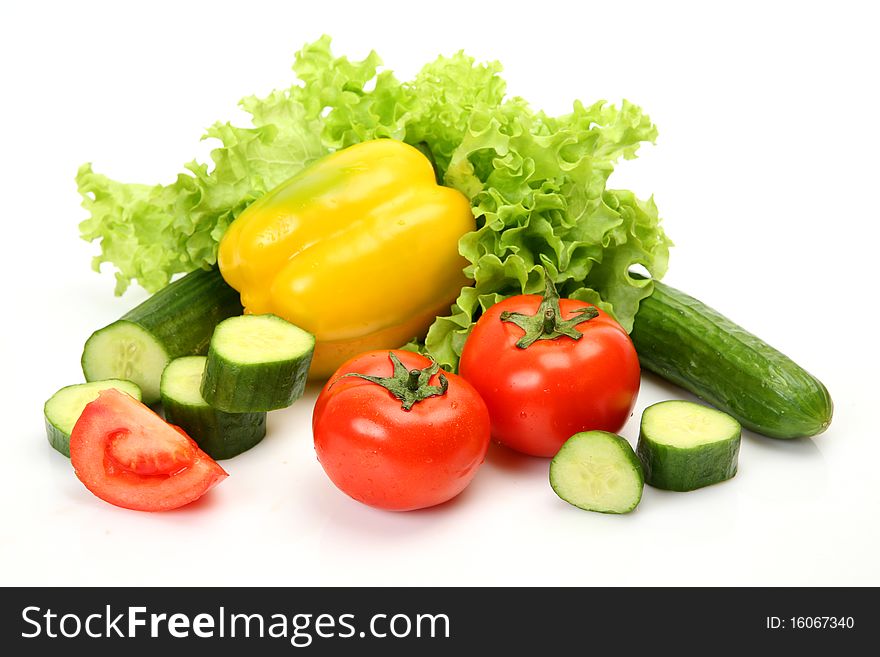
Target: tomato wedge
[127,455]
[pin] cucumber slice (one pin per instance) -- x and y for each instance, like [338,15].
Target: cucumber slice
[597,471]
[220,435]
[125,349]
[684,446]
[176,321]
[63,409]
[256,363]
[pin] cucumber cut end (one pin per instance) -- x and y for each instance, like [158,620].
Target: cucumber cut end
[125,350]
[182,380]
[684,424]
[597,471]
[254,339]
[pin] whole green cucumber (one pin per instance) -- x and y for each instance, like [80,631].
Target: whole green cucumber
[692,345]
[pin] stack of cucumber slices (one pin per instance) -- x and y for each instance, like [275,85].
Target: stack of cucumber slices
[157,352]
[255,364]
[682,446]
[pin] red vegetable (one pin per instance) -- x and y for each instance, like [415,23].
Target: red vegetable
[549,369]
[127,455]
[393,432]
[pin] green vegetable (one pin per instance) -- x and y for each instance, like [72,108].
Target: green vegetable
[65,406]
[220,435]
[176,321]
[684,446]
[597,471]
[537,184]
[688,343]
[256,363]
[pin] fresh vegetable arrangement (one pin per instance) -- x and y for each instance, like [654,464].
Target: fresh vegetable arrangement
[536,185]
[455,222]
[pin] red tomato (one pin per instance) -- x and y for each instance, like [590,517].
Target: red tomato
[127,455]
[541,395]
[390,458]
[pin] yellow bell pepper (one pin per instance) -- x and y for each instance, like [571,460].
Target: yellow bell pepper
[360,249]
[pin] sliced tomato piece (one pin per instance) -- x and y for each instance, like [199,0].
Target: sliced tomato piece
[127,455]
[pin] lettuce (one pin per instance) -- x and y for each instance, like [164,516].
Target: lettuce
[537,183]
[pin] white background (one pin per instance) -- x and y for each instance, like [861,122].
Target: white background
[765,172]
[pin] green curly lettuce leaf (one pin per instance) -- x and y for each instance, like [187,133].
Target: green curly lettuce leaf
[537,183]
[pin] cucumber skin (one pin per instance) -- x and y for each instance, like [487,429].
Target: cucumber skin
[57,438]
[680,469]
[220,435]
[182,315]
[686,342]
[261,387]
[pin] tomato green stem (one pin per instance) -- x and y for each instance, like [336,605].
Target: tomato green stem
[409,386]
[413,382]
[547,322]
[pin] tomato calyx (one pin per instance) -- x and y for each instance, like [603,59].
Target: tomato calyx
[547,322]
[409,386]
